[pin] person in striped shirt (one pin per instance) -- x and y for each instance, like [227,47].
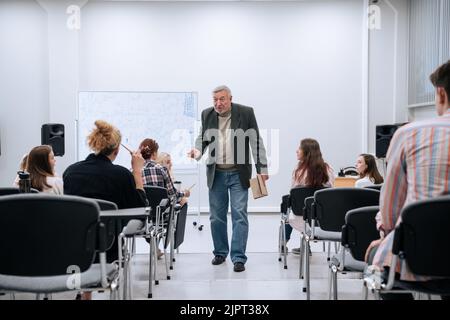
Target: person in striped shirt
[418,168]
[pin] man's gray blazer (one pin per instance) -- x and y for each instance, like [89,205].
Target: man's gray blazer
[245,135]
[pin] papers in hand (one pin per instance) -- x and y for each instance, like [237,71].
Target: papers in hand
[258,186]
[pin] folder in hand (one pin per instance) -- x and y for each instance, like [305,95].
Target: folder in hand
[258,186]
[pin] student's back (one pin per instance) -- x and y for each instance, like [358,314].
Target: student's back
[97,177]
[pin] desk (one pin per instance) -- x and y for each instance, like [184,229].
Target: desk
[345,182]
[114,221]
[127,214]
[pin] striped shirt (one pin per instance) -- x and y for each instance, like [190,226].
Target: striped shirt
[418,168]
[154,174]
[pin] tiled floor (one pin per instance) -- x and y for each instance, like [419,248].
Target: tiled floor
[195,278]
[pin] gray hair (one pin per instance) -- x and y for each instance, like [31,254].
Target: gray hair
[222,88]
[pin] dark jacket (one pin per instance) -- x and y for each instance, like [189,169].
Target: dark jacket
[242,118]
[97,177]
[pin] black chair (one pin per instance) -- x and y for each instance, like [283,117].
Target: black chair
[375,187]
[293,202]
[48,244]
[180,226]
[421,241]
[112,229]
[10,191]
[358,232]
[328,210]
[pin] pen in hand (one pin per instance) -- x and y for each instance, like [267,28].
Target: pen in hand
[131,152]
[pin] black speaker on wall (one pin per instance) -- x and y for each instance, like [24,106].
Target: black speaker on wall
[383,137]
[53,134]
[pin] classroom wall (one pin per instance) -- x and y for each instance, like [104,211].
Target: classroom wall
[24,99]
[299,64]
[388,58]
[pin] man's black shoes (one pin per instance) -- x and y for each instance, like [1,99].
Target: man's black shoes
[218,260]
[239,267]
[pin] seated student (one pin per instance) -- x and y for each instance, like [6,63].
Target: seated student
[97,176]
[154,174]
[40,164]
[311,171]
[368,171]
[418,168]
[165,160]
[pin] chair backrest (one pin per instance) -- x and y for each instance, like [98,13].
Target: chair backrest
[110,224]
[375,187]
[181,226]
[44,235]
[360,230]
[331,205]
[307,213]
[106,205]
[154,195]
[10,191]
[423,236]
[298,196]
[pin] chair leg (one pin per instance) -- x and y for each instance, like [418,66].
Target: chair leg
[150,271]
[283,232]
[330,282]
[329,249]
[155,259]
[336,247]
[307,274]
[365,292]
[166,262]
[280,240]
[130,269]
[334,274]
[125,262]
[172,242]
[323,245]
[302,252]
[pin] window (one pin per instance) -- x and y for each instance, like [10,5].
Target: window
[429,46]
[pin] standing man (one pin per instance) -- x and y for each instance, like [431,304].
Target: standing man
[228,129]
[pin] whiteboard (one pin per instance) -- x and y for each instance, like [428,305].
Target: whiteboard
[170,118]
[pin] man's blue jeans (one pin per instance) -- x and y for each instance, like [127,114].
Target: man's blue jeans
[224,182]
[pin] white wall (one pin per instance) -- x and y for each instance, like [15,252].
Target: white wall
[23,82]
[299,64]
[388,58]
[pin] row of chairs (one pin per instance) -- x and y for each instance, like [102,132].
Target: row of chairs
[324,211]
[160,224]
[347,216]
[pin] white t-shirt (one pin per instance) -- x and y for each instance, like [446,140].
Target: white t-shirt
[55,183]
[364,182]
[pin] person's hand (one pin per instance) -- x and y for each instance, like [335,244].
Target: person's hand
[137,162]
[194,153]
[265,177]
[187,193]
[374,244]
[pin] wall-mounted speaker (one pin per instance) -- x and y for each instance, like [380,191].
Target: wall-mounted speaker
[53,134]
[383,137]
